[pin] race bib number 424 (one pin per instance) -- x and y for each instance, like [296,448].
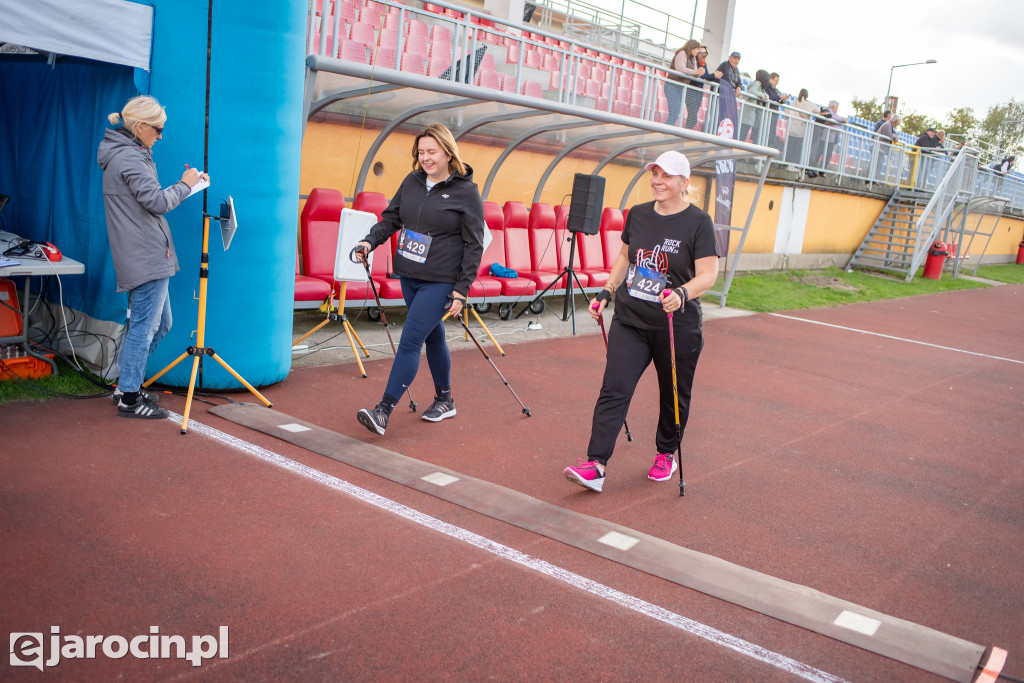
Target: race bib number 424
[647,284]
[414,245]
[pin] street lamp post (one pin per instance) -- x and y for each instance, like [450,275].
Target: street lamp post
[896,66]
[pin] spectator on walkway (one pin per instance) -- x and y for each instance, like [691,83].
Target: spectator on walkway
[927,139]
[888,133]
[941,136]
[751,116]
[888,128]
[685,61]
[828,136]
[799,115]
[775,100]
[886,115]
[1005,166]
[702,61]
[730,70]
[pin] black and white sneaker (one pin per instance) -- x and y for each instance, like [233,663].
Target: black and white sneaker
[142,408]
[375,419]
[440,409]
[143,391]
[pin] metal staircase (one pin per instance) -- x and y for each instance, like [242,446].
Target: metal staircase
[891,242]
[913,218]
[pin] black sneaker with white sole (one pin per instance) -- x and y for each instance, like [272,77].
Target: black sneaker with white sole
[440,409]
[142,408]
[374,419]
[143,391]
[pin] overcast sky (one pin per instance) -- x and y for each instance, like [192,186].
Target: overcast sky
[838,50]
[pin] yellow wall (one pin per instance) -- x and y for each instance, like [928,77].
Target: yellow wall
[1005,240]
[836,222]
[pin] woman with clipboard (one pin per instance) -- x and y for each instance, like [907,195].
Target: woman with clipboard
[140,241]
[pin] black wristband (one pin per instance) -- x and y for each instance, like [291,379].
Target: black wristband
[685,294]
[603,295]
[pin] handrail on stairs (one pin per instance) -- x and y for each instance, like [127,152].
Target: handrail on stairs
[953,184]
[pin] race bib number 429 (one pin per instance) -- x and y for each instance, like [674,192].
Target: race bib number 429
[413,245]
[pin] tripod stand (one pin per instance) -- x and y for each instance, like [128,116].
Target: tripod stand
[570,276]
[332,316]
[198,351]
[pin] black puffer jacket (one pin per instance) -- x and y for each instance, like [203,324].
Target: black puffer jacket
[452,213]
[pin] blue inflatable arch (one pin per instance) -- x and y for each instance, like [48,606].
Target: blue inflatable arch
[52,116]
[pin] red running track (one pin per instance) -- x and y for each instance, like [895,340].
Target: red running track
[875,469]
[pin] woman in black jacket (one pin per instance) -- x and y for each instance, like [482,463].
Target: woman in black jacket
[441,218]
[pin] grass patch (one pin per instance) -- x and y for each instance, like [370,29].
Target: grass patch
[1010,273]
[789,290]
[68,382]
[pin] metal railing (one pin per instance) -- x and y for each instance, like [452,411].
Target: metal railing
[957,181]
[564,69]
[636,28]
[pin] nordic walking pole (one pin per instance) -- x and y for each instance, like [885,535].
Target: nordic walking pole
[625,423]
[461,319]
[361,255]
[675,396]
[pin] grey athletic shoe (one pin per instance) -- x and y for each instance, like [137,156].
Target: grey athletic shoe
[143,391]
[142,408]
[440,409]
[375,419]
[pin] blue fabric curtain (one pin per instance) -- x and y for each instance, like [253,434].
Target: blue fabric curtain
[48,141]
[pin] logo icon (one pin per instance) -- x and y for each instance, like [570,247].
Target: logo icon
[726,129]
[27,650]
[446,196]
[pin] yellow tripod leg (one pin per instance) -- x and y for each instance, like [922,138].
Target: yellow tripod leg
[248,386]
[315,329]
[191,390]
[159,374]
[350,332]
[489,335]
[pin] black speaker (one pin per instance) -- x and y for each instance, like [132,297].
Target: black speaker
[587,202]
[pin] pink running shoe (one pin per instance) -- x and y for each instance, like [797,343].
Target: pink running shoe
[586,473]
[663,468]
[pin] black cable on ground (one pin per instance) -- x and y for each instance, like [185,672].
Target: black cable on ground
[1004,677]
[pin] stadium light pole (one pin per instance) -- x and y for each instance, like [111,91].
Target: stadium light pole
[885,102]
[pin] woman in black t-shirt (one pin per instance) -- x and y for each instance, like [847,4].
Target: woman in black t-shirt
[669,257]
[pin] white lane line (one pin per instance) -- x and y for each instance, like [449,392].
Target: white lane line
[902,339]
[696,628]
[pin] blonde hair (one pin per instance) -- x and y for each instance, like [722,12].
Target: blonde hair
[141,109]
[444,137]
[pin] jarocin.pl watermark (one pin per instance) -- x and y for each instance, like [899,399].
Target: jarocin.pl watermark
[27,648]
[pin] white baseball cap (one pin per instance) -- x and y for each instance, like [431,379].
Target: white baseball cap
[671,162]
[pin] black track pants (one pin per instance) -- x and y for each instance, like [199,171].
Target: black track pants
[630,351]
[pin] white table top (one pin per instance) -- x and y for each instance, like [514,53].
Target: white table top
[34,266]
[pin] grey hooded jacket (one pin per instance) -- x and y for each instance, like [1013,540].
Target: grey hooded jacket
[140,239]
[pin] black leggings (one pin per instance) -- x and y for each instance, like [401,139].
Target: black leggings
[630,351]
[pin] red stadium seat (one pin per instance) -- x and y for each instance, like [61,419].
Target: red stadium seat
[309,289]
[544,247]
[496,253]
[612,222]
[318,226]
[516,216]
[371,202]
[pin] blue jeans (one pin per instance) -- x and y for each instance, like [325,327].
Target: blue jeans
[149,319]
[674,96]
[427,305]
